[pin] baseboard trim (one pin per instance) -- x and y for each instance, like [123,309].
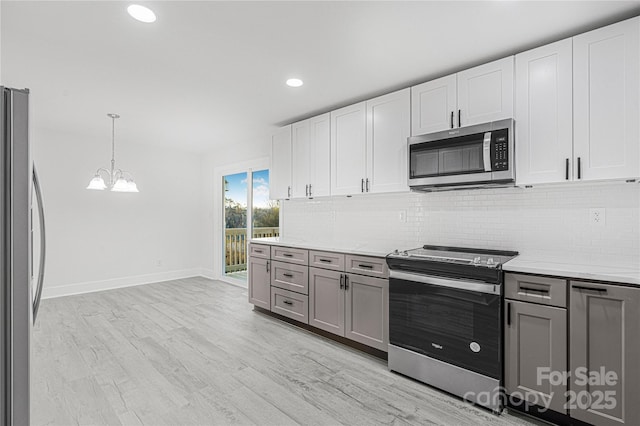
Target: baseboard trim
[93,286]
[208,273]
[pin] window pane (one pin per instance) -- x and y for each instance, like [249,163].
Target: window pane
[266,212]
[235,224]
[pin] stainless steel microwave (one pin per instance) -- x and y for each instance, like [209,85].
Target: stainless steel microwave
[470,157]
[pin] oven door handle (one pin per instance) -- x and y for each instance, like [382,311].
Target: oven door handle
[486,152]
[470,285]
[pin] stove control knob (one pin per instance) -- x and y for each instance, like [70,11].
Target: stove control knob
[490,261]
[396,251]
[476,260]
[405,253]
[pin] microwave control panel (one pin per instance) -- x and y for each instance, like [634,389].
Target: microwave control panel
[500,150]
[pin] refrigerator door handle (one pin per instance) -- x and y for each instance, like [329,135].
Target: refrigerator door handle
[43,244]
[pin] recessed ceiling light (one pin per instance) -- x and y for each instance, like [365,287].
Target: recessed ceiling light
[294,82]
[141,13]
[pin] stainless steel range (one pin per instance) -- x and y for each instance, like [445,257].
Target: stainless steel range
[445,319]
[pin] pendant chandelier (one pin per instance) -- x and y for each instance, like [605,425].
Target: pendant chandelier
[117,179]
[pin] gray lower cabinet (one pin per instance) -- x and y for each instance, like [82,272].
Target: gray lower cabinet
[367,310]
[326,300]
[605,338]
[535,337]
[290,304]
[259,282]
[350,305]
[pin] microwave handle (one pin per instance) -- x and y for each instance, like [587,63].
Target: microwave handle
[486,151]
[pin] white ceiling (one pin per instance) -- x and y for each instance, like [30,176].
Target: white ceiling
[210,73]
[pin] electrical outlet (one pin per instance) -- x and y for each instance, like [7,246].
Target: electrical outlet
[402,216]
[597,217]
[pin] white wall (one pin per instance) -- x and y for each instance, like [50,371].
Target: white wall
[102,239]
[544,222]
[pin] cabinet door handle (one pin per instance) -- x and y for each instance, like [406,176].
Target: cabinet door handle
[288,192]
[309,190]
[452,119]
[536,290]
[267,266]
[346,282]
[288,275]
[508,313]
[459,118]
[341,281]
[365,266]
[306,190]
[566,169]
[596,289]
[287,302]
[362,185]
[367,184]
[579,168]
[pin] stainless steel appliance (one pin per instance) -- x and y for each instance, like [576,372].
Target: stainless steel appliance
[445,319]
[18,300]
[470,157]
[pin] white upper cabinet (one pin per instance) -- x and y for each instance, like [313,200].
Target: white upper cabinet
[348,149]
[606,98]
[280,172]
[474,96]
[310,162]
[432,105]
[300,155]
[369,145]
[543,114]
[485,93]
[388,123]
[320,156]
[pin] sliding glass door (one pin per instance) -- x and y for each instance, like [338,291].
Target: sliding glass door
[246,213]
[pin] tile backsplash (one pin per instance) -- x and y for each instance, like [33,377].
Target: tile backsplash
[553,222]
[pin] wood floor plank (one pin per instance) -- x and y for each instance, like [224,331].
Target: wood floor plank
[193,352]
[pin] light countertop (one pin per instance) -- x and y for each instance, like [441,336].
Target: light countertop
[358,249]
[524,264]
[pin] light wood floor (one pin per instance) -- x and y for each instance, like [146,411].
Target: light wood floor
[194,352]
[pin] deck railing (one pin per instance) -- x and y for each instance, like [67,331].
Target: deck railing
[235,245]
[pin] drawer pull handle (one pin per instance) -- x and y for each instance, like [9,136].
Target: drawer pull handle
[287,302]
[288,275]
[325,260]
[287,254]
[536,290]
[257,251]
[598,290]
[365,266]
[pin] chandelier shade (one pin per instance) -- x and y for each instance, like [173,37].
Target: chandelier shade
[117,180]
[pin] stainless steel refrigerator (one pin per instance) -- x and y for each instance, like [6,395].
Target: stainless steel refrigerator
[19,292]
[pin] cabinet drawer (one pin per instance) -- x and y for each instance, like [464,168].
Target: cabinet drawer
[290,304]
[326,260]
[259,250]
[289,276]
[290,255]
[365,265]
[531,288]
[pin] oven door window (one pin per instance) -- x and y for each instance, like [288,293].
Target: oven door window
[455,326]
[462,155]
